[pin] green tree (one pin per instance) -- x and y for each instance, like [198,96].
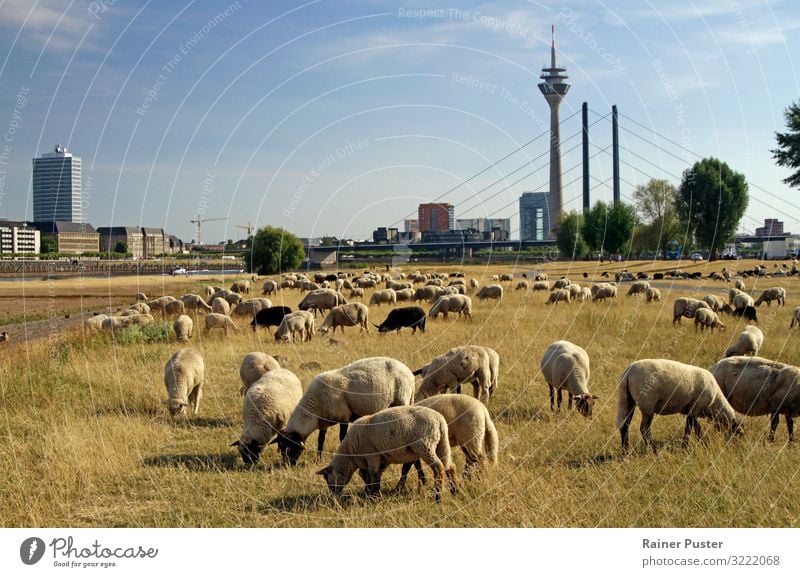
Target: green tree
[619,230]
[788,152]
[568,236]
[121,247]
[711,201]
[47,245]
[274,250]
[593,228]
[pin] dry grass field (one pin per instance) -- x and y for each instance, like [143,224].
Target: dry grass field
[86,441]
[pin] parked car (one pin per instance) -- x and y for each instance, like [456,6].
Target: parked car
[178,271]
[696,256]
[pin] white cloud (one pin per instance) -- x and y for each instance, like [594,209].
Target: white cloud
[46,22]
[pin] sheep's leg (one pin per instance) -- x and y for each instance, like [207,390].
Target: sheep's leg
[687,430]
[401,484]
[552,397]
[558,400]
[194,399]
[790,427]
[321,441]
[569,400]
[436,467]
[342,431]
[773,424]
[647,421]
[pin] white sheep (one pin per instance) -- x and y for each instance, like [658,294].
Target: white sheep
[95,323]
[584,294]
[115,324]
[652,294]
[459,304]
[183,376]
[474,284]
[714,302]
[140,297]
[220,306]
[739,284]
[291,325]
[404,295]
[756,386]
[638,287]
[396,435]
[322,299]
[269,287]
[467,364]
[140,308]
[667,387]
[268,403]
[772,294]
[183,327]
[561,283]
[795,318]
[558,295]
[541,285]
[490,291]
[356,293]
[219,321]
[748,342]
[743,300]
[250,307]
[339,396]
[254,366]
[686,307]
[349,315]
[574,290]
[194,302]
[603,291]
[522,285]
[565,365]
[706,318]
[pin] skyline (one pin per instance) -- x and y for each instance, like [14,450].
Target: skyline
[336,118]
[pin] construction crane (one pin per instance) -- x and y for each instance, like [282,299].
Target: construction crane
[248,227]
[198,221]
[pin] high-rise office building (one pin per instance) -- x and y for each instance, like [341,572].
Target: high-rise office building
[436,217]
[57,187]
[534,216]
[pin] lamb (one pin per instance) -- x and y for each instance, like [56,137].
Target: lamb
[471,363]
[396,435]
[269,287]
[268,404]
[183,326]
[220,306]
[291,325]
[194,302]
[584,294]
[667,387]
[686,307]
[386,296]
[756,386]
[706,318]
[254,366]
[747,343]
[565,365]
[342,395]
[219,321]
[638,287]
[652,294]
[795,318]
[772,294]
[350,315]
[460,304]
[474,284]
[183,377]
[603,291]
[558,295]
[490,291]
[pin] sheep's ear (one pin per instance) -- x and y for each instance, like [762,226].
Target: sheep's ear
[236,443]
[324,472]
[595,397]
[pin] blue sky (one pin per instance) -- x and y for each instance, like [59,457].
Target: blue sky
[332,117]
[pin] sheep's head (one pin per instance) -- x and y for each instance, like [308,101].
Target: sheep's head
[584,404]
[176,407]
[290,446]
[249,449]
[336,480]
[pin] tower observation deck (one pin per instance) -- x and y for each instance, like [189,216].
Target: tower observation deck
[554,87]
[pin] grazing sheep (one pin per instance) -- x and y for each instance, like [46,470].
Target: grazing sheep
[714,302]
[159,304]
[756,386]
[413,317]
[506,277]
[474,284]
[584,294]
[574,290]
[603,291]
[558,295]
[428,293]
[468,364]
[706,318]
[322,299]
[561,283]
[356,293]
[667,387]
[747,343]
[193,302]
[772,294]
[220,306]
[140,308]
[140,297]
[383,297]
[231,297]
[183,377]
[268,403]
[490,291]
[174,307]
[341,396]
[652,294]
[565,365]
[95,323]
[686,307]
[241,287]
[350,315]
[405,295]
[396,435]
[739,284]
[795,318]
[270,317]
[638,287]
[541,285]
[748,313]
[219,321]
[269,288]
[291,325]
[250,307]
[115,324]
[522,285]
[183,326]
[254,366]
[460,304]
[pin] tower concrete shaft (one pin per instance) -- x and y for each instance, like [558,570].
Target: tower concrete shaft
[554,89]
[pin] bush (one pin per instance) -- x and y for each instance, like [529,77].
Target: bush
[152,333]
